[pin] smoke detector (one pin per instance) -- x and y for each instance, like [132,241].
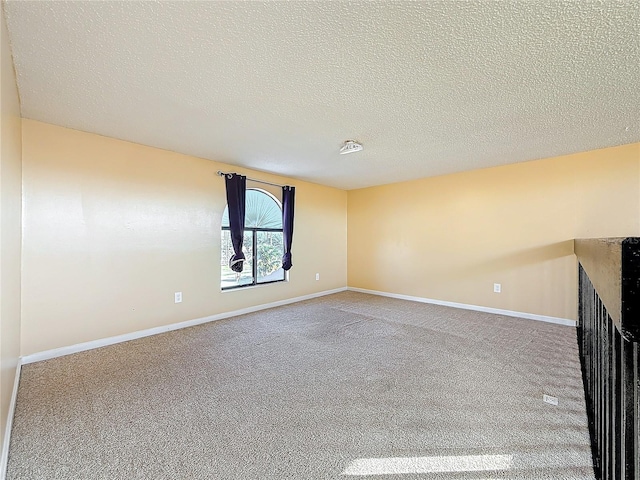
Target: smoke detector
[350,146]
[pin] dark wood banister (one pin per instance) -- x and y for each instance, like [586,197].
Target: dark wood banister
[609,342]
[613,266]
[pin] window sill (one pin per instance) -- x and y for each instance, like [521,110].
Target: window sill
[251,287]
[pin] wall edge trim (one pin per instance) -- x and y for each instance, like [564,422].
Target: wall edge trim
[4,459]
[103,342]
[465,306]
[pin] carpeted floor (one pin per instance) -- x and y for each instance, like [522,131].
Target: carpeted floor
[347,386]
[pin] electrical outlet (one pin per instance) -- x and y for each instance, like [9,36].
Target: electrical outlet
[497,288]
[178,297]
[549,399]
[317,276]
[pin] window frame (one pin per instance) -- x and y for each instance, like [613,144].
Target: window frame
[254,254]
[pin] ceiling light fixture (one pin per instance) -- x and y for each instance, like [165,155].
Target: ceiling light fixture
[350,146]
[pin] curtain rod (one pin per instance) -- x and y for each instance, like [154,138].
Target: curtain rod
[222,174]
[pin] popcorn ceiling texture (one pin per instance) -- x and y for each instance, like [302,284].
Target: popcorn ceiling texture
[429,88]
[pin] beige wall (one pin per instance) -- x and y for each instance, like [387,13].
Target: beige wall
[452,237]
[10,226]
[112,229]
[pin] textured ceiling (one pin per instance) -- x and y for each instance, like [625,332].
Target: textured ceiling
[429,88]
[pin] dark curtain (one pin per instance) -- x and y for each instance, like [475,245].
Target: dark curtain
[236,194]
[288,201]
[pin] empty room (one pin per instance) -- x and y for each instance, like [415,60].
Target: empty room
[320,240]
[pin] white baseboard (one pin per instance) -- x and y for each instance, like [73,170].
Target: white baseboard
[465,306]
[7,433]
[81,347]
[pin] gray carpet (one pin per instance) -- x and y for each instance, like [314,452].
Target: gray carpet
[348,386]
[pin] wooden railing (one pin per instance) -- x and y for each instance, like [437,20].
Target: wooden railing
[608,337]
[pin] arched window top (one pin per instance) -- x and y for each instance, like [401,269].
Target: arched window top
[262,211]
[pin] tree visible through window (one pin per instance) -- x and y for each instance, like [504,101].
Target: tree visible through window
[262,243]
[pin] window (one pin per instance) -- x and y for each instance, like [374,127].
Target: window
[262,244]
